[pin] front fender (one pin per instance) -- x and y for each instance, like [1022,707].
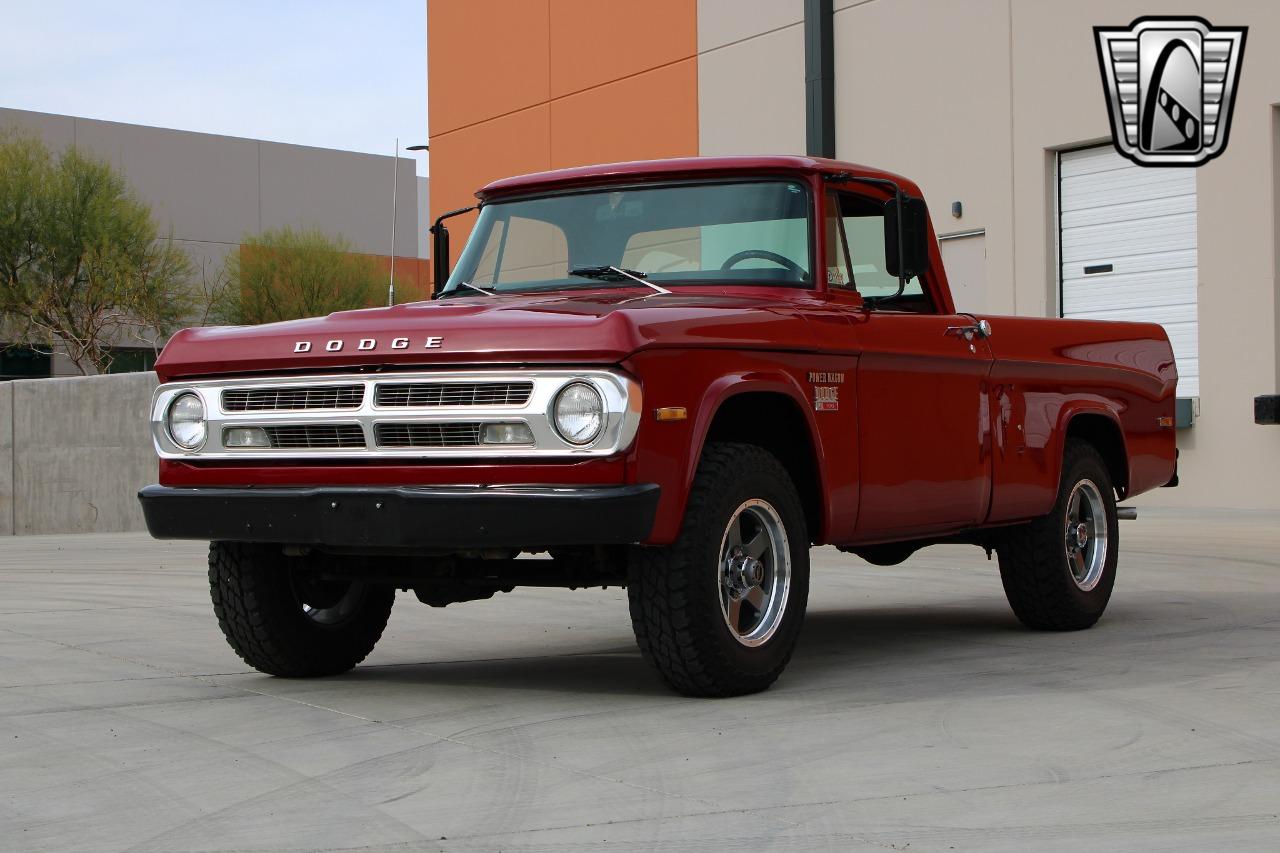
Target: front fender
[703,381]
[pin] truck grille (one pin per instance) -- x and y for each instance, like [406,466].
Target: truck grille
[315,436]
[428,435]
[453,394]
[292,399]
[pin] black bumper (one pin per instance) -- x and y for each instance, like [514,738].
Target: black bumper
[436,518]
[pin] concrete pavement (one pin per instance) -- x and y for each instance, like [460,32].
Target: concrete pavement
[915,715]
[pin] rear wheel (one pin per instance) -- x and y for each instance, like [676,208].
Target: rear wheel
[719,611]
[1059,570]
[282,616]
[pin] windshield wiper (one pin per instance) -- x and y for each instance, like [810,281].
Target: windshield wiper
[615,274]
[476,288]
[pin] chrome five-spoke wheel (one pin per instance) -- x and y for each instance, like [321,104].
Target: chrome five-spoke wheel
[755,573]
[719,610]
[1086,534]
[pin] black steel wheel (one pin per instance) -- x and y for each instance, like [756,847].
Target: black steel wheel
[282,616]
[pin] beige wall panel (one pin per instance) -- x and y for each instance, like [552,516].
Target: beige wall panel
[751,95]
[938,113]
[334,191]
[722,22]
[1227,460]
[57,131]
[205,187]
[965,260]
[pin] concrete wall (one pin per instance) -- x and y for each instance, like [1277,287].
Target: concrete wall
[74,452]
[6,458]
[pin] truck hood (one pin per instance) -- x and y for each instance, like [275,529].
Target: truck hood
[580,327]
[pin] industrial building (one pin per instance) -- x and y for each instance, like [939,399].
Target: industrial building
[210,191]
[996,108]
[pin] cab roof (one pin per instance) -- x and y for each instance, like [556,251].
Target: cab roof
[683,167]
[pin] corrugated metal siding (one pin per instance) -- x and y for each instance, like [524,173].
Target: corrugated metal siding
[1142,221]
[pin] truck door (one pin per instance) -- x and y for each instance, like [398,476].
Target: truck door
[923,408]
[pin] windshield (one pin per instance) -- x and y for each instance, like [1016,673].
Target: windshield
[726,233]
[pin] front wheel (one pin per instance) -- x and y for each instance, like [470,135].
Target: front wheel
[283,616]
[719,611]
[1059,570]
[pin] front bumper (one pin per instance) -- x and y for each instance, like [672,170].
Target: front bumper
[429,518]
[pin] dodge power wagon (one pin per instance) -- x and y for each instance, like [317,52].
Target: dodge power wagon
[670,376]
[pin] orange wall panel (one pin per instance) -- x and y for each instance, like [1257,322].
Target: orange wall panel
[644,117]
[486,58]
[596,41]
[467,159]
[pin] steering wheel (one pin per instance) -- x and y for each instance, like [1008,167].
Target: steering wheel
[764,255]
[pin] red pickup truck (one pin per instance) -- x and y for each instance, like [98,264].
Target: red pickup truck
[674,376]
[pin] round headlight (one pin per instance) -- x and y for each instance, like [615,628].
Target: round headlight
[579,413]
[186,421]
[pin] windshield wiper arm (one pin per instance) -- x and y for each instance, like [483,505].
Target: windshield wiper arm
[610,273]
[468,284]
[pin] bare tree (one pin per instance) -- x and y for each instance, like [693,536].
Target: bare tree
[81,259]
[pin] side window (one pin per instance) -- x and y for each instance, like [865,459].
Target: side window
[862,224]
[837,247]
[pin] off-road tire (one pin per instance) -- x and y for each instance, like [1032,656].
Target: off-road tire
[1033,561]
[262,618]
[674,591]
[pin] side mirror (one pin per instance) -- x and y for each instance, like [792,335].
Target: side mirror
[439,256]
[440,248]
[914,234]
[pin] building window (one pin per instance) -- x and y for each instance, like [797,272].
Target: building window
[132,359]
[22,362]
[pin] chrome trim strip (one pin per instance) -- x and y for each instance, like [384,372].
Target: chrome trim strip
[620,392]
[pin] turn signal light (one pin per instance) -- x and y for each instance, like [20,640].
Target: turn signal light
[507,434]
[245,437]
[671,413]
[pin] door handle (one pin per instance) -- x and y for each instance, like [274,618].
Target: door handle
[980,329]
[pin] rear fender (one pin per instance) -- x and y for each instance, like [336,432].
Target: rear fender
[1078,408]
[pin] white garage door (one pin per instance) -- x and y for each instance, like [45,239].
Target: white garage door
[1128,248]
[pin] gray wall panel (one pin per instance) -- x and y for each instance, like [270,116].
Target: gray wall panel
[81,451]
[339,192]
[57,131]
[205,187]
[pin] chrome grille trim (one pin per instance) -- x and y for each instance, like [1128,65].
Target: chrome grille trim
[493,397]
[315,436]
[427,435]
[400,394]
[287,399]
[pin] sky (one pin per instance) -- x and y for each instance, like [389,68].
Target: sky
[339,74]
